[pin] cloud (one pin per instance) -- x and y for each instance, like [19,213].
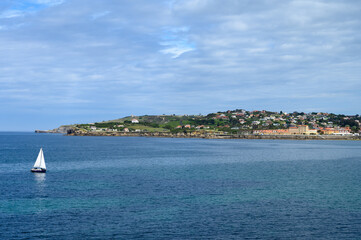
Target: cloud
[21,8]
[48,2]
[176,51]
[100,14]
[11,14]
[122,57]
[176,42]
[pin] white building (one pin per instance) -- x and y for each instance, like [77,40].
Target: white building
[135,120]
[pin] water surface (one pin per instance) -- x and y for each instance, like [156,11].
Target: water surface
[159,188]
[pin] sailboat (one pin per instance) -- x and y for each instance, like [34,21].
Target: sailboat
[39,165]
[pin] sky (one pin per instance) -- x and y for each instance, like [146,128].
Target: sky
[81,61]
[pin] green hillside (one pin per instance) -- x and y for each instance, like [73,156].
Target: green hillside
[234,121]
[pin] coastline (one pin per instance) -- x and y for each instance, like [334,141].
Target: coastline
[216,136]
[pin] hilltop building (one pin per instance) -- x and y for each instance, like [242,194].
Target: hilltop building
[134,120]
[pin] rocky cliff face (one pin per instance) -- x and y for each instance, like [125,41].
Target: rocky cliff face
[61,129]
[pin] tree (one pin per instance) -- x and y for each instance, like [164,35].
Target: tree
[354,129]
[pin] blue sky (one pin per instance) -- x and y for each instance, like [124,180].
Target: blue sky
[77,61]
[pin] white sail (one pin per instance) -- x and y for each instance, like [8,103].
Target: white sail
[40,161]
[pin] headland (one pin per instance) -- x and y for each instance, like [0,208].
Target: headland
[231,124]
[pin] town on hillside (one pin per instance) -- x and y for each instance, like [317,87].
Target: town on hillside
[233,122]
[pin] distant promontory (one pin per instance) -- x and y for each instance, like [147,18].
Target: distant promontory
[237,123]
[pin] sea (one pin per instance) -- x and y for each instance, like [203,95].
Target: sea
[174,188]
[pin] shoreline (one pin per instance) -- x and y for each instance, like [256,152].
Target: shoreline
[219,136]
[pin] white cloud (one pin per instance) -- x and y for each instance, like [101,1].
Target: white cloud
[239,53]
[49,2]
[176,51]
[257,50]
[291,57]
[178,29]
[12,14]
[27,7]
[190,5]
[100,15]
[233,23]
[175,41]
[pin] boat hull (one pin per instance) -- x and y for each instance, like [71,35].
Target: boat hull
[38,170]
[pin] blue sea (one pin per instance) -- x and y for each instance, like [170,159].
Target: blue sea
[162,188]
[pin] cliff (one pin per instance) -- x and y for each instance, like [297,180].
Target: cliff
[62,129]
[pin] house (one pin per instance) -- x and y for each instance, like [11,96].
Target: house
[126,130]
[336,131]
[135,120]
[302,129]
[256,122]
[271,132]
[187,126]
[293,130]
[312,132]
